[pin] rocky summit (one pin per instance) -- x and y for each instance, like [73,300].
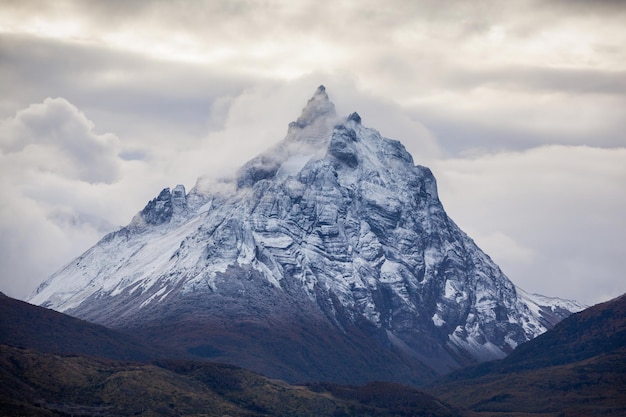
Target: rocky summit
[327,257]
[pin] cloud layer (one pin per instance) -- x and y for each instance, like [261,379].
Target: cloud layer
[518,107]
[548,216]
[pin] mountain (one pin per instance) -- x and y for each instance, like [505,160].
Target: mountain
[39,384]
[31,327]
[575,369]
[327,257]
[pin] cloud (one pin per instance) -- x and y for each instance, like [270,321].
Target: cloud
[505,248]
[550,216]
[494,119]
[54,136]
[68,185]
[56,174]
[142,100]
[251,122]
[511,75]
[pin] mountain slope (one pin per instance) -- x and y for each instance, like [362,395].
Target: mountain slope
[328,257]
[575,369]
[27,326]
[38,384]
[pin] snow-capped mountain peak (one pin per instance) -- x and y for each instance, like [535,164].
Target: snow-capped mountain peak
[333,228]
[306,138]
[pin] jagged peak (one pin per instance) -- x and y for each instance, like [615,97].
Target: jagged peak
[309,134]
[355,117]
[318,107]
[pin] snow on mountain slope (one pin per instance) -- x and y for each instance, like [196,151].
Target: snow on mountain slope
[336,221]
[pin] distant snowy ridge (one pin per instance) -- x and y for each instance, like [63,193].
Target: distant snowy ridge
[335,220]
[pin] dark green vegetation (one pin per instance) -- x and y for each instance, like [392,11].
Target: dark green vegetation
[39,384]
[576,369]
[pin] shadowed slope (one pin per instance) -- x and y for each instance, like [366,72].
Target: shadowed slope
[28,326]
[575,369]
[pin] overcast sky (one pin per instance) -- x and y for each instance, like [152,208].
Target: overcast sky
[518,107]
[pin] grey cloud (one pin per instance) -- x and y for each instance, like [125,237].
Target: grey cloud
[59,177]
[560,206]
[610,8]
[542,79]
[94,10]
[517,119]
[67,218]
[65,132]
[36,239]
[136,97]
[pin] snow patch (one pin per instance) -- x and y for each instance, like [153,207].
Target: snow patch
[153,296]
[438,321]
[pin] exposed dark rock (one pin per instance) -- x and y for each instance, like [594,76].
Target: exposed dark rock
[355,117]
[159,210]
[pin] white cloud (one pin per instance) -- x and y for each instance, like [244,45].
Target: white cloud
[58,176]
[551,216]
[55,137]
[246,124]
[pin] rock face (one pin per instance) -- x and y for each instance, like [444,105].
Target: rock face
[328,257]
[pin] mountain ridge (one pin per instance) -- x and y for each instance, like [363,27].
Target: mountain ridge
[28,326]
